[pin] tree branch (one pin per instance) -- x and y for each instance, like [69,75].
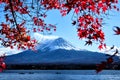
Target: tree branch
[10,1]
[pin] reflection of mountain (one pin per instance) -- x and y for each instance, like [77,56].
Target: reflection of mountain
[55,50]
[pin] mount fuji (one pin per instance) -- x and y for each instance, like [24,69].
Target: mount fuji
[56,50]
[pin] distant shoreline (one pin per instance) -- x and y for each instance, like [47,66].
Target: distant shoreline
[59,67]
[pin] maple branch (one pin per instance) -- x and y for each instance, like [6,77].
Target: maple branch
[14,15]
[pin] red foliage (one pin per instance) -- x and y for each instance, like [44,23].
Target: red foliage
[108,61]
[18,14]
[88,24]
[2,64]
[87,16]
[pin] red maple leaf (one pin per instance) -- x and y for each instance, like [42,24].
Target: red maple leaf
[100,46]
[104,9]
[76,10]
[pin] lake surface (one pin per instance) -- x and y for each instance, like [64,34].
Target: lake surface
[59,75]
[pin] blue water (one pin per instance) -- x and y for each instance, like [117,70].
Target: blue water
[59,75]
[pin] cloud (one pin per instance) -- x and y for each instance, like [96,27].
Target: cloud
[110,51]
[39,37]
[8,51]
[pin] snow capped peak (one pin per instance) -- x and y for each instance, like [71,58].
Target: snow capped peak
[60,43]
[48,42]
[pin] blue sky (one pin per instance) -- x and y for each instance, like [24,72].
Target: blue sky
[68,32]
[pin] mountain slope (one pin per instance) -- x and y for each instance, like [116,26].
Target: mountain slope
[56,50]
[59,56]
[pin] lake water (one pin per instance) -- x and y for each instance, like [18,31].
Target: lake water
[59,75]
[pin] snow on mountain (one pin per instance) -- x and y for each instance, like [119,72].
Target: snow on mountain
[58,43]
[52,43]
